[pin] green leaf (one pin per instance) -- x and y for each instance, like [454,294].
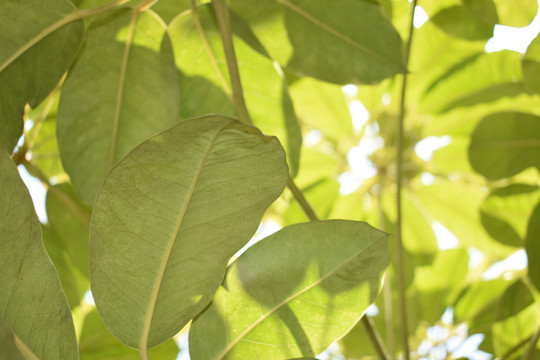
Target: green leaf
[97,343]
[506,211]
[293,293]
[32,305]
[504,144]
[122,90]
[320,195]
[205,88]
[458,22]
[69,218]
[531,66]
[168,218]
[301,34]
[532,246]
[516,13]
[32,34]
[74,282]
[483,10]
[9,348]
[322,106]
[480,78]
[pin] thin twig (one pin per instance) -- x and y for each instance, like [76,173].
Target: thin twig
[375,337]
[400,267]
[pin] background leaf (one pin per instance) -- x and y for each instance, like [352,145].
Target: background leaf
[504,144]
[32,306]
[293,293]
[29,39]
[121,91]
[532,245]
[301,34]
[168,218]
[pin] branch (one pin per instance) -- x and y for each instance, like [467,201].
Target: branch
[400,268]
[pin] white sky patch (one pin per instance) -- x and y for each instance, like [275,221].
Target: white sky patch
[427,178]
[372,310]
[183,343]
[89,298]
[515,262]
[350,90]
[512,38]
[359,115]
[475,257]
[445,239]
[312,138]
[37,192]
[426,147]
[420,17]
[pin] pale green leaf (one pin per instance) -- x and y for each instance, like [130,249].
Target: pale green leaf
[300,35]
[504,144]
[205,86]
[458,22]
[532,246]
[444,200]
[74,282]
[322,106]
[122,90]
[480,78]
[453,157]
[531,66]
[168,218]
[506,211]
[69,218]
[38,45]
[293,293]
[516,13]
[32,303]
[97,343]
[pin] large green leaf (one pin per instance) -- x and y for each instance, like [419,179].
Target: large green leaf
[122,90]
[532,246]
[342,41]
[531,66]
[38,46]
[97,343]
[32,303]
[168,218]
[504,144]
[204,81]
[458,22]
[293,293]
[506,211]
[9,348]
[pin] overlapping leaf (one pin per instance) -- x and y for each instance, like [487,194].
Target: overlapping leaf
[170,215]
[122,90]
[294,293]
[205,87]
[38,45]
[32,304]
[504,144]
[301,35]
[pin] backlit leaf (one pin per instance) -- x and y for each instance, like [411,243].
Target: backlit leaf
[121,91]
[301,34]
[531,66]
[205,87]
[32,34]
[532,246]
[293,293]
[32,304]
[168,218]
[504,144]
[458,22]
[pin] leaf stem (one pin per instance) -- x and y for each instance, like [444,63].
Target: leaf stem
[224,22]
[375,337]
[400,267]
[299,196]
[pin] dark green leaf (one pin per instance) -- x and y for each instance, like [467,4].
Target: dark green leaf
[38,45]
[9,348]
[504,144]
[531,66]
[293,293]
[302,34]
[32,303]
[122,90]
[168,218]
[458,22]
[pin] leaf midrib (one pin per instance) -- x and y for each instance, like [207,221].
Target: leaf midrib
[121,85]
[287,301]
[163,265]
